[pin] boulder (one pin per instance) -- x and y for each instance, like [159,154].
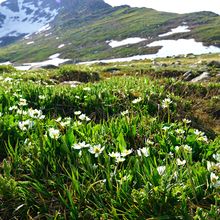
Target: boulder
[188,76]
[214,63]
[202,77]
[71,83]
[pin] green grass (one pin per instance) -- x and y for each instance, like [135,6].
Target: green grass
[118,148]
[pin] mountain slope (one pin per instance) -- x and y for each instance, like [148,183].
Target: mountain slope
[79,30]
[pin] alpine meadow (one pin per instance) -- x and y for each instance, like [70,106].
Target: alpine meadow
[108,112]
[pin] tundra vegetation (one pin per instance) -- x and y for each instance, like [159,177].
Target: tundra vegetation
[134,140]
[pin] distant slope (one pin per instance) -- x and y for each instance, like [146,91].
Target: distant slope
[82,36]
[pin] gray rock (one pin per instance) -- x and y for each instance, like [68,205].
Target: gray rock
[71,83]
[214,63]
[201,77]
[187,76]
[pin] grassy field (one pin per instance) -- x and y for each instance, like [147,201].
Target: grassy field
[131,141]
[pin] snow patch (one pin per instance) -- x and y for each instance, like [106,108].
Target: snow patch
[53,60]
[168,48]
[6,63]
[132,40]
[56,55]
[46,27]
[31,42]
[46,35]
[61,46]
[179,29]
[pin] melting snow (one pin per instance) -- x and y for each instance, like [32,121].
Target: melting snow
[179,29]
[60,46]
[47,27]
[169,48]
[6,63]
[31,42]
[56,55]
[133,40]
[53,60]
[46,35]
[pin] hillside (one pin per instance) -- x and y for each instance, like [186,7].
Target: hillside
[80,31]
[136,140]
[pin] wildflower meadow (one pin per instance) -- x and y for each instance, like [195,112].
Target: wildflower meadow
[122,147]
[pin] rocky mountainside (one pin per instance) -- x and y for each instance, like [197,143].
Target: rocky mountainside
[33,30]
[22,17]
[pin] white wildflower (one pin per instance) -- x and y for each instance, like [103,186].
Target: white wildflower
[170,154]
[124,113]
[14,107]
[185,148]
[180,162]
[66,122]
[135,101]
[161,170]
[210,165]
[144,151]
[126,152]
[186,121]
[34,113]
[54,133]
[166,128]
[78,113]
[114,154]
[149,142]
[58,119]
[180,131]
[213,166]
[202,138]
[119,159]
[96,149]
[77,123]
[79,146]
[17,95]
[166,103]
[25,125]
[21,112]
[198,133]
[214,180]
[216,157]
[22,102]
[42,97]
[83,117]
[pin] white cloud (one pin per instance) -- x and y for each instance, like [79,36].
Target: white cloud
[180,6]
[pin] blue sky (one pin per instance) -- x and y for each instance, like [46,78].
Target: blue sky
[179,6]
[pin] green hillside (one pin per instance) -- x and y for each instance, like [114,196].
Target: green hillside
[85,36]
